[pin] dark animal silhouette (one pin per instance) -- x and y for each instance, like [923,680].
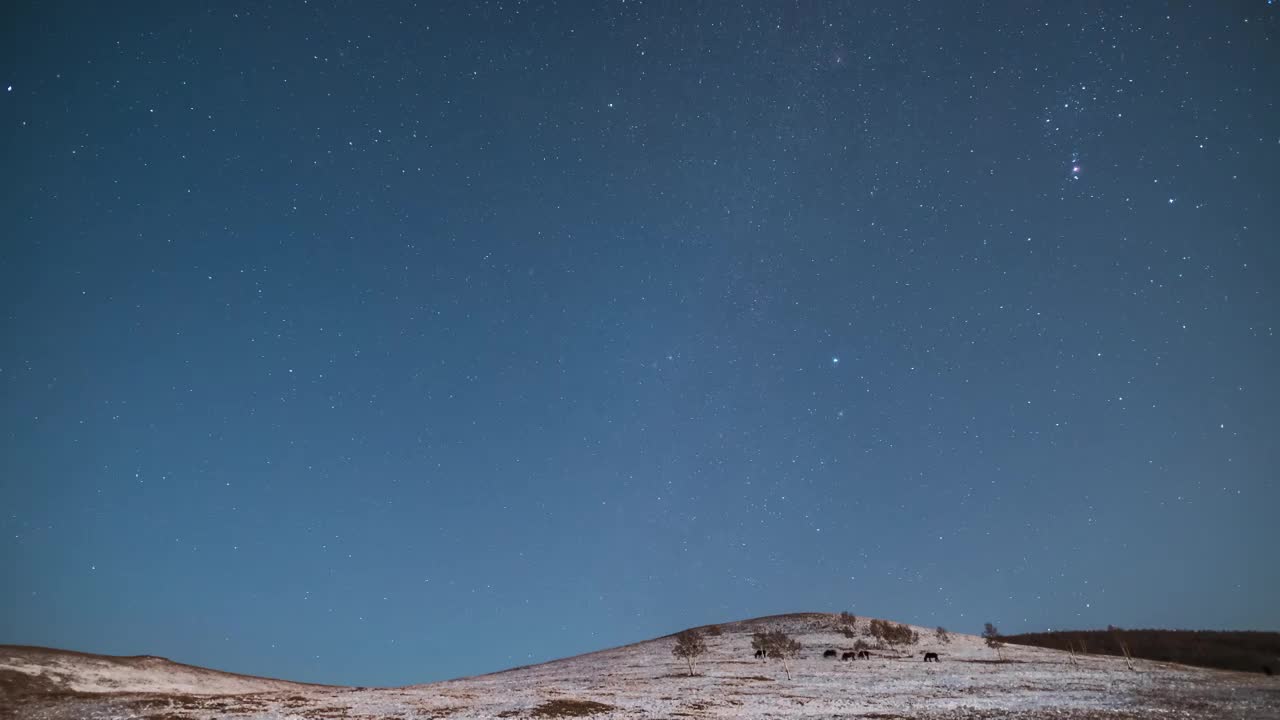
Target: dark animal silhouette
[761,653]
[848,656]
[864,654]
[931,656]
[829,653]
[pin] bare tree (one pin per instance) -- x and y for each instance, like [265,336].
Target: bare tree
[942,635]
[1124,646]
[992,636]
[783,647]
[777,644]
[689,645]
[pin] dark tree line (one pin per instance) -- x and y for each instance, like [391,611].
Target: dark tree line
[1247,651]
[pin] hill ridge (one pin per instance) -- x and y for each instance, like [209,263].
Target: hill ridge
[644,679]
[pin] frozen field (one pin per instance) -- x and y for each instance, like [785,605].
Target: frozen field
[644,681]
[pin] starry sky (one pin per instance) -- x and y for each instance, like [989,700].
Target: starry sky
[381,343]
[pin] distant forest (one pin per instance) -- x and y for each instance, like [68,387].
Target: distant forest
[1247,651]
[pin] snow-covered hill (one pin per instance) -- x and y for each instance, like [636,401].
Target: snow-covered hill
[644,681]
[64,671]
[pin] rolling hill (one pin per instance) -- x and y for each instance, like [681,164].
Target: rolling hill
[643,680]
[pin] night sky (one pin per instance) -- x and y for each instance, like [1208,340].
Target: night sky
[379,343]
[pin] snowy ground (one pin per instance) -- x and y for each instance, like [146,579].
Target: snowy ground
[645,681]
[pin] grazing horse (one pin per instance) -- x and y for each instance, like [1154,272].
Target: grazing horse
[829,654]
[761,653]
[931,656]
[848,656]
[864,654]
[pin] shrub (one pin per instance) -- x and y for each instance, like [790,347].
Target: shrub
[760,642]
[893,634]
[847,624]
[570,708]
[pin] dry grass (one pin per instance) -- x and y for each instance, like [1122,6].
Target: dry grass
[570,708]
